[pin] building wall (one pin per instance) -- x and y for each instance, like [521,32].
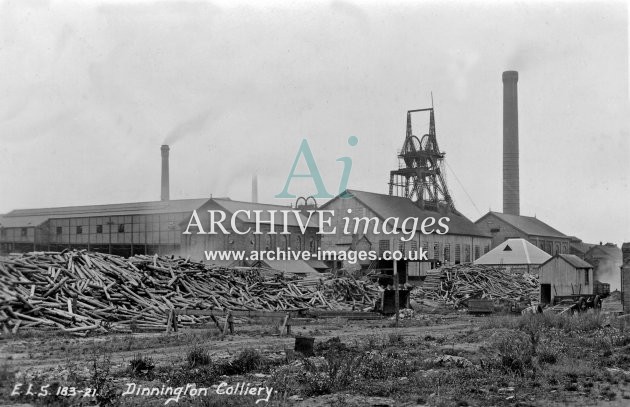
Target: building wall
[124,235]
[18,240]
[449,248]
[565,279]
[501,231]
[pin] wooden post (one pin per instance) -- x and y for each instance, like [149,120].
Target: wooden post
[228,323]
[397,295]
[285,321]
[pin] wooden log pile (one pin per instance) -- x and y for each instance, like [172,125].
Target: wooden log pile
[453,285]
[80,291]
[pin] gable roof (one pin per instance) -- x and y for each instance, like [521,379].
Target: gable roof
[526,224]
[385,206]
[572,259]
[514,251]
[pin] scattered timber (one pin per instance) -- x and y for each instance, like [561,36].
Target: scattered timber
[454,285]
[79,292]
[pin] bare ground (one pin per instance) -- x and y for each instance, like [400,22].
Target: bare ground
[437,360]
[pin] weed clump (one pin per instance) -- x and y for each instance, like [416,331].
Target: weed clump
[140,365]
[198,356]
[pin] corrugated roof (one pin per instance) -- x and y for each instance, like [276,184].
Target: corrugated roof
[527,224]
[514,251]
[386,206]
[575,261]
[134,208]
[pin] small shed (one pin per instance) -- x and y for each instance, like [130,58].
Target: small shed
[564,274]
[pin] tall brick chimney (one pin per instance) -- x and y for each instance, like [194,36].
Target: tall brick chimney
[165,183]
[511,199]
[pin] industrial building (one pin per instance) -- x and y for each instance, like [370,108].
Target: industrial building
[463,243]
[122,229]
[503,226]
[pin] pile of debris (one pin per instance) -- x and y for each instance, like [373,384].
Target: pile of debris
[81,291]
[453,285]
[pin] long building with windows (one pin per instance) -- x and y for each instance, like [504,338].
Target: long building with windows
[464,242]
[124,229]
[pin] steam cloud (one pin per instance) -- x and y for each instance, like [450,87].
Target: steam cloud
[191,126]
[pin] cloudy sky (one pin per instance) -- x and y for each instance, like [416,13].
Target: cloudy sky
[89,92]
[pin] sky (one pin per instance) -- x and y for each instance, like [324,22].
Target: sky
[90,90]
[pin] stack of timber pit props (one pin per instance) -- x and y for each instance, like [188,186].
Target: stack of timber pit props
[453,285]
[79,291]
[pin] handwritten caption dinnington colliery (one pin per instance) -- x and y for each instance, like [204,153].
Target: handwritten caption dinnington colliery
[240,389]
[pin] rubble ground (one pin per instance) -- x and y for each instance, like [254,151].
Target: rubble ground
[430,359]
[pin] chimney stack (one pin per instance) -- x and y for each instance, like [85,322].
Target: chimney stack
[255,188]
[511,199]
[165,183]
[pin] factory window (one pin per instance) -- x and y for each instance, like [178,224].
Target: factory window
[486,249]
[414,247]
[436,251]
[3,232]
[401,247]
[586,277]
[299,243]
[23,232]
[447,252]
[467,253]
[458,254]
[99,228]
[383,246]
[59,230]
[121,228]
[79,230]
[477,252]
[495,230]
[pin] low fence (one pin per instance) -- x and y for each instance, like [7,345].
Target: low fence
[289,318]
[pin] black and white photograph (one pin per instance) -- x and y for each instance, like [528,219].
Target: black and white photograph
[314,203]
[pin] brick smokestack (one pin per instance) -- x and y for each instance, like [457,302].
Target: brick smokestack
[165,183]
[255,188]
[511,199]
